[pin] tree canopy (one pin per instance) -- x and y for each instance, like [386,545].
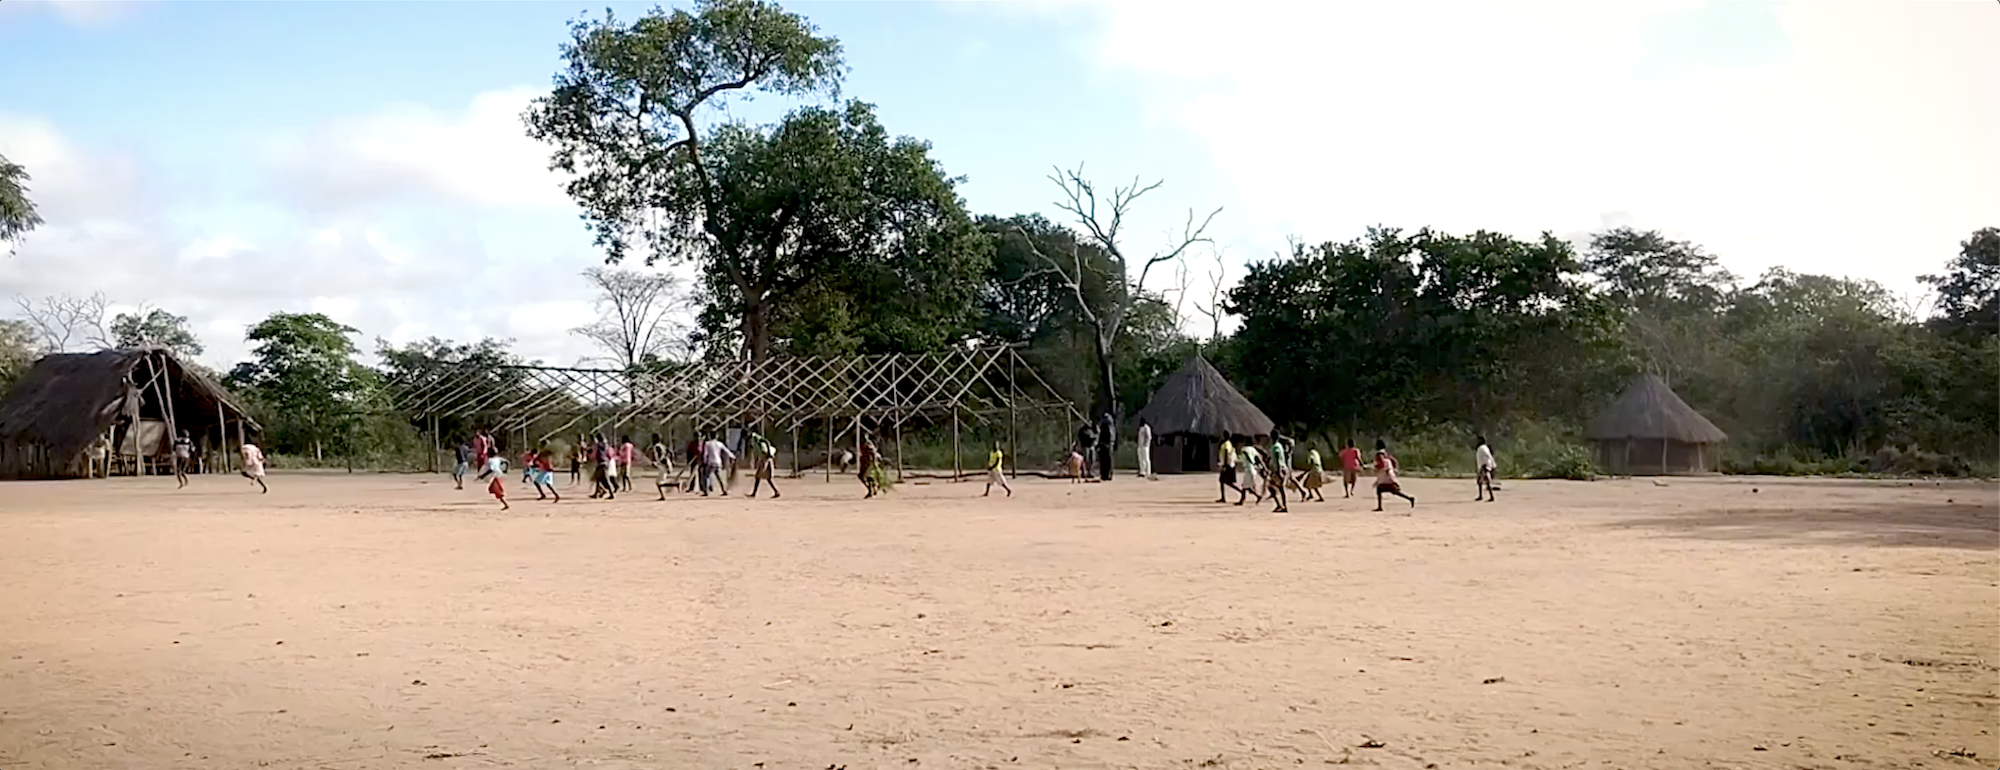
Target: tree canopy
[18,216]
[155,327]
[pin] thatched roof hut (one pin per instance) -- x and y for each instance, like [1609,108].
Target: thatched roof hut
[67,402]
[1650,431]
[1194,410]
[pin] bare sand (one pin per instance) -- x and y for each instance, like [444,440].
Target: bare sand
[388,621]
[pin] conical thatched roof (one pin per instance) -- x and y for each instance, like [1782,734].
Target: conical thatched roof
[1650,410]
[66,400]
[1198,400]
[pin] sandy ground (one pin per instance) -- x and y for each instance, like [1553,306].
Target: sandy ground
[389,621]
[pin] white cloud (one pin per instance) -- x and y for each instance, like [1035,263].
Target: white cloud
[1866,150]
[480,155]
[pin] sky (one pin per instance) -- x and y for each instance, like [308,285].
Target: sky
[227,160]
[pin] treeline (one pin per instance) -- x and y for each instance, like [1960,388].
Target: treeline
[1403,334]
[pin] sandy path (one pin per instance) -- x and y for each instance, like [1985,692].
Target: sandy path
[372,621]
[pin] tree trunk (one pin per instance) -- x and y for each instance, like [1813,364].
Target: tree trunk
[756,326]
[1106,380]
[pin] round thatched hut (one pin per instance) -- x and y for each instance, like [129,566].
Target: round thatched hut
[1192,412]
[1650,431]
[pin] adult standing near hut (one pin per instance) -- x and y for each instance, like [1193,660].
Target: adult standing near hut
[1145,450]
[1107,439]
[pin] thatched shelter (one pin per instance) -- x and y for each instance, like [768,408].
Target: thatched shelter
[1192,412]
[1650,431]
[55,418]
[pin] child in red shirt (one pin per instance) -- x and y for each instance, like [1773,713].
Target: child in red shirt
[1350,468]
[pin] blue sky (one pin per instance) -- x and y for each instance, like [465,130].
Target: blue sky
[226,160]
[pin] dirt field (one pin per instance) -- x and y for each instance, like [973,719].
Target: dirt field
[388,621]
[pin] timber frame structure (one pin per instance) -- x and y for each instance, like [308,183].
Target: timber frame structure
[850,397]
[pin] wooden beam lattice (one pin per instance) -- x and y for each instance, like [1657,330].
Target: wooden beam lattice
[975,383]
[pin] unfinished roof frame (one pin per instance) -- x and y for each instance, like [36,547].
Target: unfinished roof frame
[983,385]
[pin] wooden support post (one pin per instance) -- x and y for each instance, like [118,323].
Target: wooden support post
[222,435]
[1013,392]
[829,450]
[794,428]
[956,472]
[899,447]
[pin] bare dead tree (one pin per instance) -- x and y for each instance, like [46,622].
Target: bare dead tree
[1101,221]
[66,323]
[636,315]
[1216,281]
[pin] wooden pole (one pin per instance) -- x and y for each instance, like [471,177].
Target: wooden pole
[955,470]
[795,449]
[1013,391]
[899,447]
[222,435]
[829,450]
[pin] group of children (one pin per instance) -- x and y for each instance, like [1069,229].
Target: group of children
[1245,470]
[613,465]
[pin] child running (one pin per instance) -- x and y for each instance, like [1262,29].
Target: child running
[1249,477]
[1350,468]
[663,465]
[496,467]
[993,474]
[872,475]
[253,465]
[1483,455]
[1315,475]
[542,473]
[1280,473]
[576,458]
[1385,476]
[715,455]
[764,458]
[527,466]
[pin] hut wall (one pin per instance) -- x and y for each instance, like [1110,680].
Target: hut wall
[1649,457]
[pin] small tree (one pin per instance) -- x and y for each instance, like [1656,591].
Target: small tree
[636,316]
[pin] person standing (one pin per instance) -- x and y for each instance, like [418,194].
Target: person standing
[1107,440]
[1280,472]
[461,463]
[627,453]
[183,458]
[1086,444]
[1145,447]
[1249,476]
[1484,457]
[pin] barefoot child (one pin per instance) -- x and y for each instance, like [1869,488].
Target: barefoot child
[1385,476]
[1227,459]
[496,468]
[1484,457]
[253,465]
[542,472]
[1315,475]
[1350,468]
[764,458]
[1249,477]
[626,454]
[993,474]
[462,464]
[1076,465]
[1280,473]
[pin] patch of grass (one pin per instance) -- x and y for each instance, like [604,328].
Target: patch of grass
[1528,450]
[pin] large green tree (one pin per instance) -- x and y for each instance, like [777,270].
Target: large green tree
[155,327]
[17,213]
[624,117]
[18,351]
[304,374]
[833,237]
[1968,291]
